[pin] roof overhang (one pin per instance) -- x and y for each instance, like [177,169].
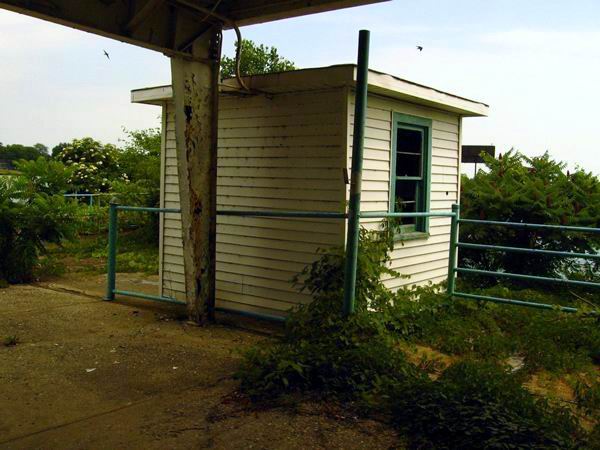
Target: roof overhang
[167,25]
[336,76]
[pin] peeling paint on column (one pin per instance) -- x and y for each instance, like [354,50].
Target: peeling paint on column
[195,95]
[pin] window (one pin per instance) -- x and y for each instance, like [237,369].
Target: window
[410,170]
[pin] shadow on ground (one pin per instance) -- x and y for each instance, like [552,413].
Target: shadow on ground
[92,374]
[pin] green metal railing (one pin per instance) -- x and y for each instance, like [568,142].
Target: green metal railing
[111,289]
[111,265]
[90,197]
[114,209]
[454,270]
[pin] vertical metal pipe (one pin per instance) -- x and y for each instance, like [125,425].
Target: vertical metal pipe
[111,265]
[360,113]
[453,249]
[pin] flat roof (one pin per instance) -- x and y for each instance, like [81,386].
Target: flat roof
[335,76]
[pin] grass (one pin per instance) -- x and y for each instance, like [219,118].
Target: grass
[89,253]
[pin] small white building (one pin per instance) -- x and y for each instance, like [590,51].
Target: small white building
[288,146]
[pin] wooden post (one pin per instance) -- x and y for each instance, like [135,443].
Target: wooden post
[196,97]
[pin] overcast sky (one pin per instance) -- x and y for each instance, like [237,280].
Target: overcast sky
[536,63]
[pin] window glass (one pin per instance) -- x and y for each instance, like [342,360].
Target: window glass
[406,199]
[409,152]
[410,170]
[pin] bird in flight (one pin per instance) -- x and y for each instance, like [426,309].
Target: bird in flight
[106,54]
[420,48]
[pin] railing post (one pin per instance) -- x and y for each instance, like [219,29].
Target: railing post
[360,113]
[453,249]
[111,264]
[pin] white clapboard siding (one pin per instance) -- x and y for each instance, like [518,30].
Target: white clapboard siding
[288,152]
[281,152]
[423,260]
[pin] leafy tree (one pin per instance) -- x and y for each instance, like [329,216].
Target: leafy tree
[58,148]
[256,59]
[94,164]
[517,188]
[46,175]
[15,152]
[139,156]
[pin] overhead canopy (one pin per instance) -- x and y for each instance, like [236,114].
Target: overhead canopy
[168,26]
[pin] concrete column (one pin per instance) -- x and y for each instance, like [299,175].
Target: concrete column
[195,93]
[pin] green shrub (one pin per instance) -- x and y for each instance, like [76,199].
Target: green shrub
[479,405]
[94,165]
[346,358]
[558,342]
[46,176]
[517,188]
[29,220]
[474,404]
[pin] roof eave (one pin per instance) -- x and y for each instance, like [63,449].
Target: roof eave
[395,87]
[332,77]
[156,95]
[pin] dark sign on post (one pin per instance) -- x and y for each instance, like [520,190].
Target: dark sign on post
[472,153]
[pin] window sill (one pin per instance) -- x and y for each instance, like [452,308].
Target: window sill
[411,236]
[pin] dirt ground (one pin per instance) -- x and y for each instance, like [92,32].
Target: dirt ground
[128,375]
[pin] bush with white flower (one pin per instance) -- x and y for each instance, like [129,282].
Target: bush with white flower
[94,165]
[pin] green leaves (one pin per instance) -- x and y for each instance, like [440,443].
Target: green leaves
[256,59]
[517,188]
[94,165]
[476,403]
[46,175]
[28,220]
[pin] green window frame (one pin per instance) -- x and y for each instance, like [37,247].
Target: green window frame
[415,179]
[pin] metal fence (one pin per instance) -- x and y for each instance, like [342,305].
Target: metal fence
[90,197]
[114,208]
[454,269]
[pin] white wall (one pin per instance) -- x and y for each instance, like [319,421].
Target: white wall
[423,259]
[282,152]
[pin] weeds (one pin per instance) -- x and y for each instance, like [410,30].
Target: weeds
[10,341]
[588,397]
[553,341]
[135,254]
[477,402]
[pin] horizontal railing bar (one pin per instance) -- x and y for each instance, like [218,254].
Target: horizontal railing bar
[300,214]
[149,297]
[531,225]
[158,298]
[297,214]
[148,209]
[383,214]
[88,195]
[250,314]
[519,276]
[528,250]
[508,301]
